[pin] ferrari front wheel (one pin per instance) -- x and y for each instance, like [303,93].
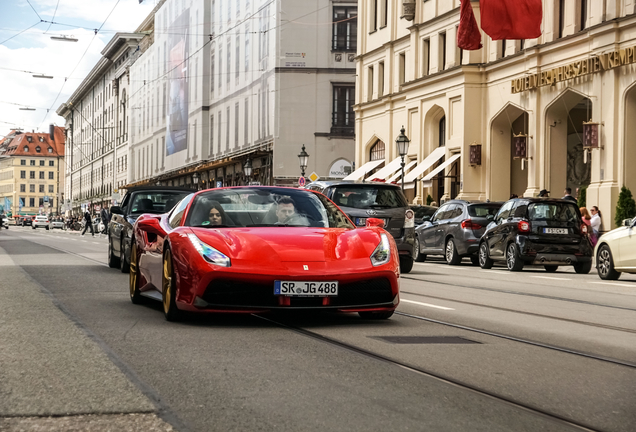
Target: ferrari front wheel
[168,283]
[376,315]
[133,280]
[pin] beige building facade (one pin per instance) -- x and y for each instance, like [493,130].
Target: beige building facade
[581,70]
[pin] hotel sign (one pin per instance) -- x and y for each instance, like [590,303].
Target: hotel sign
[599,63]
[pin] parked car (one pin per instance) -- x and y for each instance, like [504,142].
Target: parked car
[454,231]
[423,213]
[616,251]
[26,221]
[4,221]
[360,201]
[537,231]
[57,223]
[40,221]
[144,199]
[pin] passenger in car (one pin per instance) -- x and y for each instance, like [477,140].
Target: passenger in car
[217,215]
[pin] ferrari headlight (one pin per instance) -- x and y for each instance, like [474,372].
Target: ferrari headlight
[382,253]
[208,253]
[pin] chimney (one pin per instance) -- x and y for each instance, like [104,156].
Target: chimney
[52,132]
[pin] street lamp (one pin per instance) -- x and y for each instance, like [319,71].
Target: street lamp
[247,170]
[195,179]
[64,38]
[42,76]
[303,156]
[402,142]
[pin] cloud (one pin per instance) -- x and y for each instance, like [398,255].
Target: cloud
[38,53]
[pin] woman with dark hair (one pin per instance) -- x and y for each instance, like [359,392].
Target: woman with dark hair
[216,214]
[595,222]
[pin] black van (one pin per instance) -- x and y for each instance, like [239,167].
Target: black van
[362,200]
[537,231]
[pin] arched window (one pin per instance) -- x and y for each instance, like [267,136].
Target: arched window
[37,149]
[377,151]
[442,131]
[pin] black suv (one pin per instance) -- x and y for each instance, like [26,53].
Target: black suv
[362,200]
[537,231]
[454,231]
[139,200]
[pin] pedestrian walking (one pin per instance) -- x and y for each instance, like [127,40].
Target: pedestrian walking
[568,195]
[105,219]
[595,223]
[88,224]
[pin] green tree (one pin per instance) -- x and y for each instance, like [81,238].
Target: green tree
[626,206]
[429,199]
[582,198]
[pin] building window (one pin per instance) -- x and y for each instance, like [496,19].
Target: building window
[32,162]
[50,150]
[41,175]
[23,174]
[32,188]
[246,121]
[380,79]
[32,174]
[384,13]
[561,17]
[41,163]
[51,187]
[345,28]
[22,162]
[442,51]
[426,57]
[583,15]
[41,189]
[377,151]
[211,151]
[442,131]
[219,131]
[26,149]
[38,149]
[31,202]
[236,125]
[228,63]
[503,48]
[51,163]
[402,68]
[247,46]
[237,60]
[343,116]
[373,15]
[369,84]
[40,202]
[51,175]
[227,128]
[212,64]
[29,138]
[22,188]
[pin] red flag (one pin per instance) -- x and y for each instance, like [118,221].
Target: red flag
[468,34]
[511,19]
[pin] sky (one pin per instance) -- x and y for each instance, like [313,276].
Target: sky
[26,48]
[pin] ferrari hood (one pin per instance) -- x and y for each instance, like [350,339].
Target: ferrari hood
[280,244]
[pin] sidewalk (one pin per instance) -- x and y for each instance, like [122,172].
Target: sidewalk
[53,376]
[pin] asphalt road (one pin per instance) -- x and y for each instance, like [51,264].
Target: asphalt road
[469,350]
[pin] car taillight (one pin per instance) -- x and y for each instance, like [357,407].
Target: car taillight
[469,224]
[584,229]
[524,226]
[409,219]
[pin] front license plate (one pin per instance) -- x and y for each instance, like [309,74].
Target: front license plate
[555,230]
[305,288]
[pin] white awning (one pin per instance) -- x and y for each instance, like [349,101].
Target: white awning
[363,170]
[433,173]
[407,167]
[428,162]
[388,169]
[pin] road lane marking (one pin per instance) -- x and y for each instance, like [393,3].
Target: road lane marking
[615,283]
[553,278]
[499,272]
[426,304]
[95,242]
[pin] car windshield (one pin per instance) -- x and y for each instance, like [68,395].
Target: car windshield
[556,212]
[156,201]
[424,212]
[259,207]
[484,210]
[365,197]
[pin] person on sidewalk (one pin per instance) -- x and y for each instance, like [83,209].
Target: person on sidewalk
[596,220]
[105,219]
[568,195]
[89,223]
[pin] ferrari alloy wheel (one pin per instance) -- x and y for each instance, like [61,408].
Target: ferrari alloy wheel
[417,255]
[452,257]
[485,261]
[376,315]
[512,258]
[168,283]
[113,262]
[133,280]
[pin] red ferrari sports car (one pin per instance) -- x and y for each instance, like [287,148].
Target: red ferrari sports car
[256,249]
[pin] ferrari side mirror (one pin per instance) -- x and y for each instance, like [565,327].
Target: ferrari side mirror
[150,224]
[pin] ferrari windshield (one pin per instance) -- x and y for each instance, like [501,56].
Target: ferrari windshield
[263,206]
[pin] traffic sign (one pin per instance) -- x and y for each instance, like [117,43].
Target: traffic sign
[301,181]
[313,176]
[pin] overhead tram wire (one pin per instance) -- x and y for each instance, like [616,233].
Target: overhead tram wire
[36,12]
[78,63]
[19,33]
[54,13]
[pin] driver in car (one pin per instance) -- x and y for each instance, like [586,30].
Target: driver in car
[286,212]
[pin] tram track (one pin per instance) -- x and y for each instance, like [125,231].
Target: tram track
[425,372]
[587,323]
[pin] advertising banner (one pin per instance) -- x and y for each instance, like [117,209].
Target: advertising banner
[178,52]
